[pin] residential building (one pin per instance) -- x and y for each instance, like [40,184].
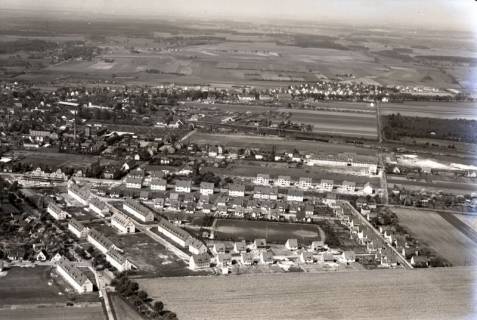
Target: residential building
[78,194]
[326,185]
[176,234]
[265,193]
[98,206]
[158,184]
[223,259]
[283,181]
[199,261]
[236,190]
[306,257]
[295,195]
[122,223]
[218,247]
[139,211]
[348,186]
[206,188]
[56,212]
[240,247]
[183,186]
[77,279]
[260,244]
[77,228]
[99,241]
[262,179]
[291,244]
[266,257]
[118,260]
[133,182]
[197,247]
[305,183]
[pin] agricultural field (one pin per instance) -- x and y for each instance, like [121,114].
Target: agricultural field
[29,285]
[445,293]
[273,232]
[55,160]
[281,144]
[90,312]
[446,110]
[437,233]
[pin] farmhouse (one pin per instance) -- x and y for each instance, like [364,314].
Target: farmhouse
[56,212]
[119,261]
[99,241]
[98,207]
[236,190]
[206,188]
[158,184]
[295,195]
[305,183]
[133,182]
[174,233]
[283,181]
[123,223]
[77,228]
[199,261]
[183,186]
[139,211]
[78,194]
[262,179]
[74,276]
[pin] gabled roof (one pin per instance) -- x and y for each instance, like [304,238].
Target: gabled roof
[98,237]
[76,224]
[78,276]
[122,219]
[183,183]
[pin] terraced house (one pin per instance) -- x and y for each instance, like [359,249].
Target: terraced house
[139,211]
[77,279]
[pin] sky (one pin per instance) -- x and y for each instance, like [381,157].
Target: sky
[437,14]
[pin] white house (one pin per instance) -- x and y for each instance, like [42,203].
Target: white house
[295,195]
[368,189]
[78,194]
[122,223]
[77,279]
[266,257]
[133,182]
[77,228]
[98,206]
[176,234]
[262,179]
[199,261]
[291,244]
[206,188]
[327,185]
[99,241]
[305,183]
[306,257]
[283,181]
[158,184]
[348,186]
[139,211]
[236,190]
[197,247]
[218,247]
[183,186]
[240,247]
[119,261]
[56,212]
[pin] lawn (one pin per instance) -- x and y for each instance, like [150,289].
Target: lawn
[274,232]
[29,285]
[89,312]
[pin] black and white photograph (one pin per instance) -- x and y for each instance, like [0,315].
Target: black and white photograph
[238,159]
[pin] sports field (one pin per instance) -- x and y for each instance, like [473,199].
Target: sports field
[443,293]
[433,230]
[274,232]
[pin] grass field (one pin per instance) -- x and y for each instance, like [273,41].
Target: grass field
[54,313]
[449,110]
[29,285]
[433,230]
[55,160]
[122,310]
[274,232]
[281,144]
[379,294]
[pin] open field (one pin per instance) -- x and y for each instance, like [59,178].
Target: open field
[435,185]
[122,310]
[440,235]
[281,144]
[55,160]
[449,110]
[29,285]
[446,293]
[274,232]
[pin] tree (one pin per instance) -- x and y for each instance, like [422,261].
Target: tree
[142,295]
[158,306]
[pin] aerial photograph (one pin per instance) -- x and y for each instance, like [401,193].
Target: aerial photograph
[238,159]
